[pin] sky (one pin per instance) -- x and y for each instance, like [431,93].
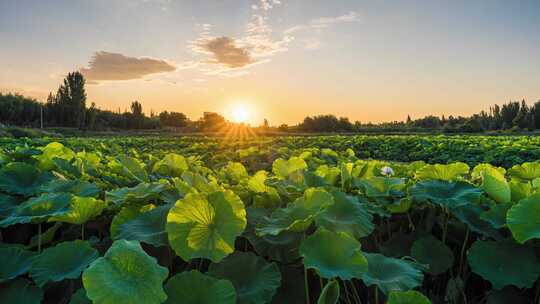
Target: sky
[282,60]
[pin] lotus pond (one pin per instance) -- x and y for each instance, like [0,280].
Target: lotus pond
[270,220]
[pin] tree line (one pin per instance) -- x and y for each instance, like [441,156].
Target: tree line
[68,108]
[514,115]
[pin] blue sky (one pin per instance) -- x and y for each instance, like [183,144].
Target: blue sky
[369,60]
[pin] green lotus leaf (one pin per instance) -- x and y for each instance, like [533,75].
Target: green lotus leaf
[442,172]
[171,165]
[519,189]
[478,170]
[128,167]
[329,174]
[143,193]
[430,251]
[400,206]
[407,297]
[206,226]
[79,297]
[126,274]
[15,262]
[147,227]
[390,274]
[81,210]
[66,260]
[200,183]
[333,254]
[235,172]
[523,219]
[254,279]
[445,194]
[256,183]
[496,215]
[472,215]
[377,186]
[269,199]
[282,247]
[20,291]
[504,263]
[66,168]
[39,209]
[284,168]
[22,179]
[8,204]
[330,293]
[316,199]
[346,215]
[52,151]
[297,216]
[126,214]
[75,187]
[495,185]
[194,287]
[527,171]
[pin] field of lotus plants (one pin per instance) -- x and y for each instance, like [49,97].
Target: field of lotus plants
[336,219]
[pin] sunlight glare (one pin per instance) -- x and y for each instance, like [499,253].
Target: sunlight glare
[240,113]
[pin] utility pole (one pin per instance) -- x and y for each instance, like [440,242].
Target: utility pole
[41,116]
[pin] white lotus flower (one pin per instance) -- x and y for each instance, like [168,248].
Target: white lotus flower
[387,171]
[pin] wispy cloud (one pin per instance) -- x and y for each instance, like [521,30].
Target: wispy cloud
[115,66]
[231,56]
[324,22]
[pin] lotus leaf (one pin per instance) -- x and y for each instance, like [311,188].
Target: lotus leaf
[81,210]
[64,261]
[346,215]
[22,179]
[254,279]
[284,168]
[390,274]
[504,263]
[430,251]
[194,287]
[126,274]
[523,219]
[171,165]
[407,297]
[206,226]
[495,185]
[143,193]
[527,171]
[147,227]
[15,262]
[333,254]
[39,209]
[445,194]
[442,172]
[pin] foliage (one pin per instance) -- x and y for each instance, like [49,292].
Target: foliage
[269,220]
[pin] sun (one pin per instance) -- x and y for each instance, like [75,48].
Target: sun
[240,113]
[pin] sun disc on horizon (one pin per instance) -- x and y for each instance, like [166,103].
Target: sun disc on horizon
[240,113]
